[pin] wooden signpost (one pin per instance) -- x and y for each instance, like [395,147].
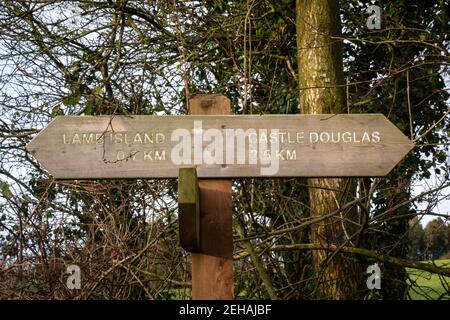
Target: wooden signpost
[216,146]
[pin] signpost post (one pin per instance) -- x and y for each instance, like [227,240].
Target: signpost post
[219,146]
[212,265]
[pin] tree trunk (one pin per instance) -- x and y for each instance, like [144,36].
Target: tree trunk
[321,80]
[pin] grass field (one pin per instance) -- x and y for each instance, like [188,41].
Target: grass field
[425,286]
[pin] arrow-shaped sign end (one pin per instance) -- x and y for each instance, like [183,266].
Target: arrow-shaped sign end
[404,149]
[39,142]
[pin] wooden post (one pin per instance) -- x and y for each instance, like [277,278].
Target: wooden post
[212,266]
[188,210]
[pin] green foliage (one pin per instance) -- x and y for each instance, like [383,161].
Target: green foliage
[436,239]
[71,100]
[416,240]
[395,71]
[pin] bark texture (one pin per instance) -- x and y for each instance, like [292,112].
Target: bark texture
[321,90]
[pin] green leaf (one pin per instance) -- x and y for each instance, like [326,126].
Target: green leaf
[57,111]
[159,107]
[49,214]
[97,91]
[34,288]
[88,110]
[71,100]
[4,188]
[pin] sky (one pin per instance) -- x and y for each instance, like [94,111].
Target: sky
[443,199]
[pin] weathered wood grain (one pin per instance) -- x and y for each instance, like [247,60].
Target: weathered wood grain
[66,150]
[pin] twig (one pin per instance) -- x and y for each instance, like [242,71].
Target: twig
[409,105]
[434,125]
[360,251]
